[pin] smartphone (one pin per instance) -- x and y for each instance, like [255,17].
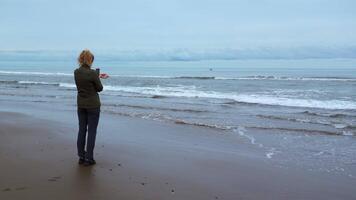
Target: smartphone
[97,71]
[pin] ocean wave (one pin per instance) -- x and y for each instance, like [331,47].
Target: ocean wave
[166,118]
[142,76]
[337,125]
[192,92]
[157,108]
[36,73]
[200,124]
[289,119]
[348,133]
[37,83]
[67,85]
[332,115]
[157,97]
[257,77]
[195,77]
[285,78]
[130,95]
[309,131]
[29,82]
[8,82]
[293,102]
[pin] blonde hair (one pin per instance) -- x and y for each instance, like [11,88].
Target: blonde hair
[86,58]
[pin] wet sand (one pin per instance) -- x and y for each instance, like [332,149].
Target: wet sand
[142,159]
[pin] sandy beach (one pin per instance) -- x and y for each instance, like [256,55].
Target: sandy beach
[143,159]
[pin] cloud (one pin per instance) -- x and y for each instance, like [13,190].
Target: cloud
[175,24]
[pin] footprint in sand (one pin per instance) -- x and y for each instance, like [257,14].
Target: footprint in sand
[17,189]
[54,179]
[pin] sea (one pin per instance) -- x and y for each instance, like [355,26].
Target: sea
[296,111]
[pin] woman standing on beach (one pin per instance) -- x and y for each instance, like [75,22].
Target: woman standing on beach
[88,85]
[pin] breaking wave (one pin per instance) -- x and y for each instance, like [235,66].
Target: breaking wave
[193,92]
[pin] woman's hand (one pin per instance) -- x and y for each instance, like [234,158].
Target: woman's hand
[104,76]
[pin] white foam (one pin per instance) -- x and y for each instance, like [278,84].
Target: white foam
[347,133]
[36,73]
[340,126]
[142,76]
[241,131]
[67,85]
[37,83]
[269,155]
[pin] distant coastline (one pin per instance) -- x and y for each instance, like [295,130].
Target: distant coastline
[186,54]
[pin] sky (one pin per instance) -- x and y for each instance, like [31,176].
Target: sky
[168,25]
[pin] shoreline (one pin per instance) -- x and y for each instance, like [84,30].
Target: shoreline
[142,159]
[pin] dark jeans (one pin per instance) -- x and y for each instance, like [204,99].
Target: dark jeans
[88,121]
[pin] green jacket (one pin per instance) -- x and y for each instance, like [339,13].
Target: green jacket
[88,85]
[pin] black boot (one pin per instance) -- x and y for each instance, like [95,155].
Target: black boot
[81,161]
[89,162]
